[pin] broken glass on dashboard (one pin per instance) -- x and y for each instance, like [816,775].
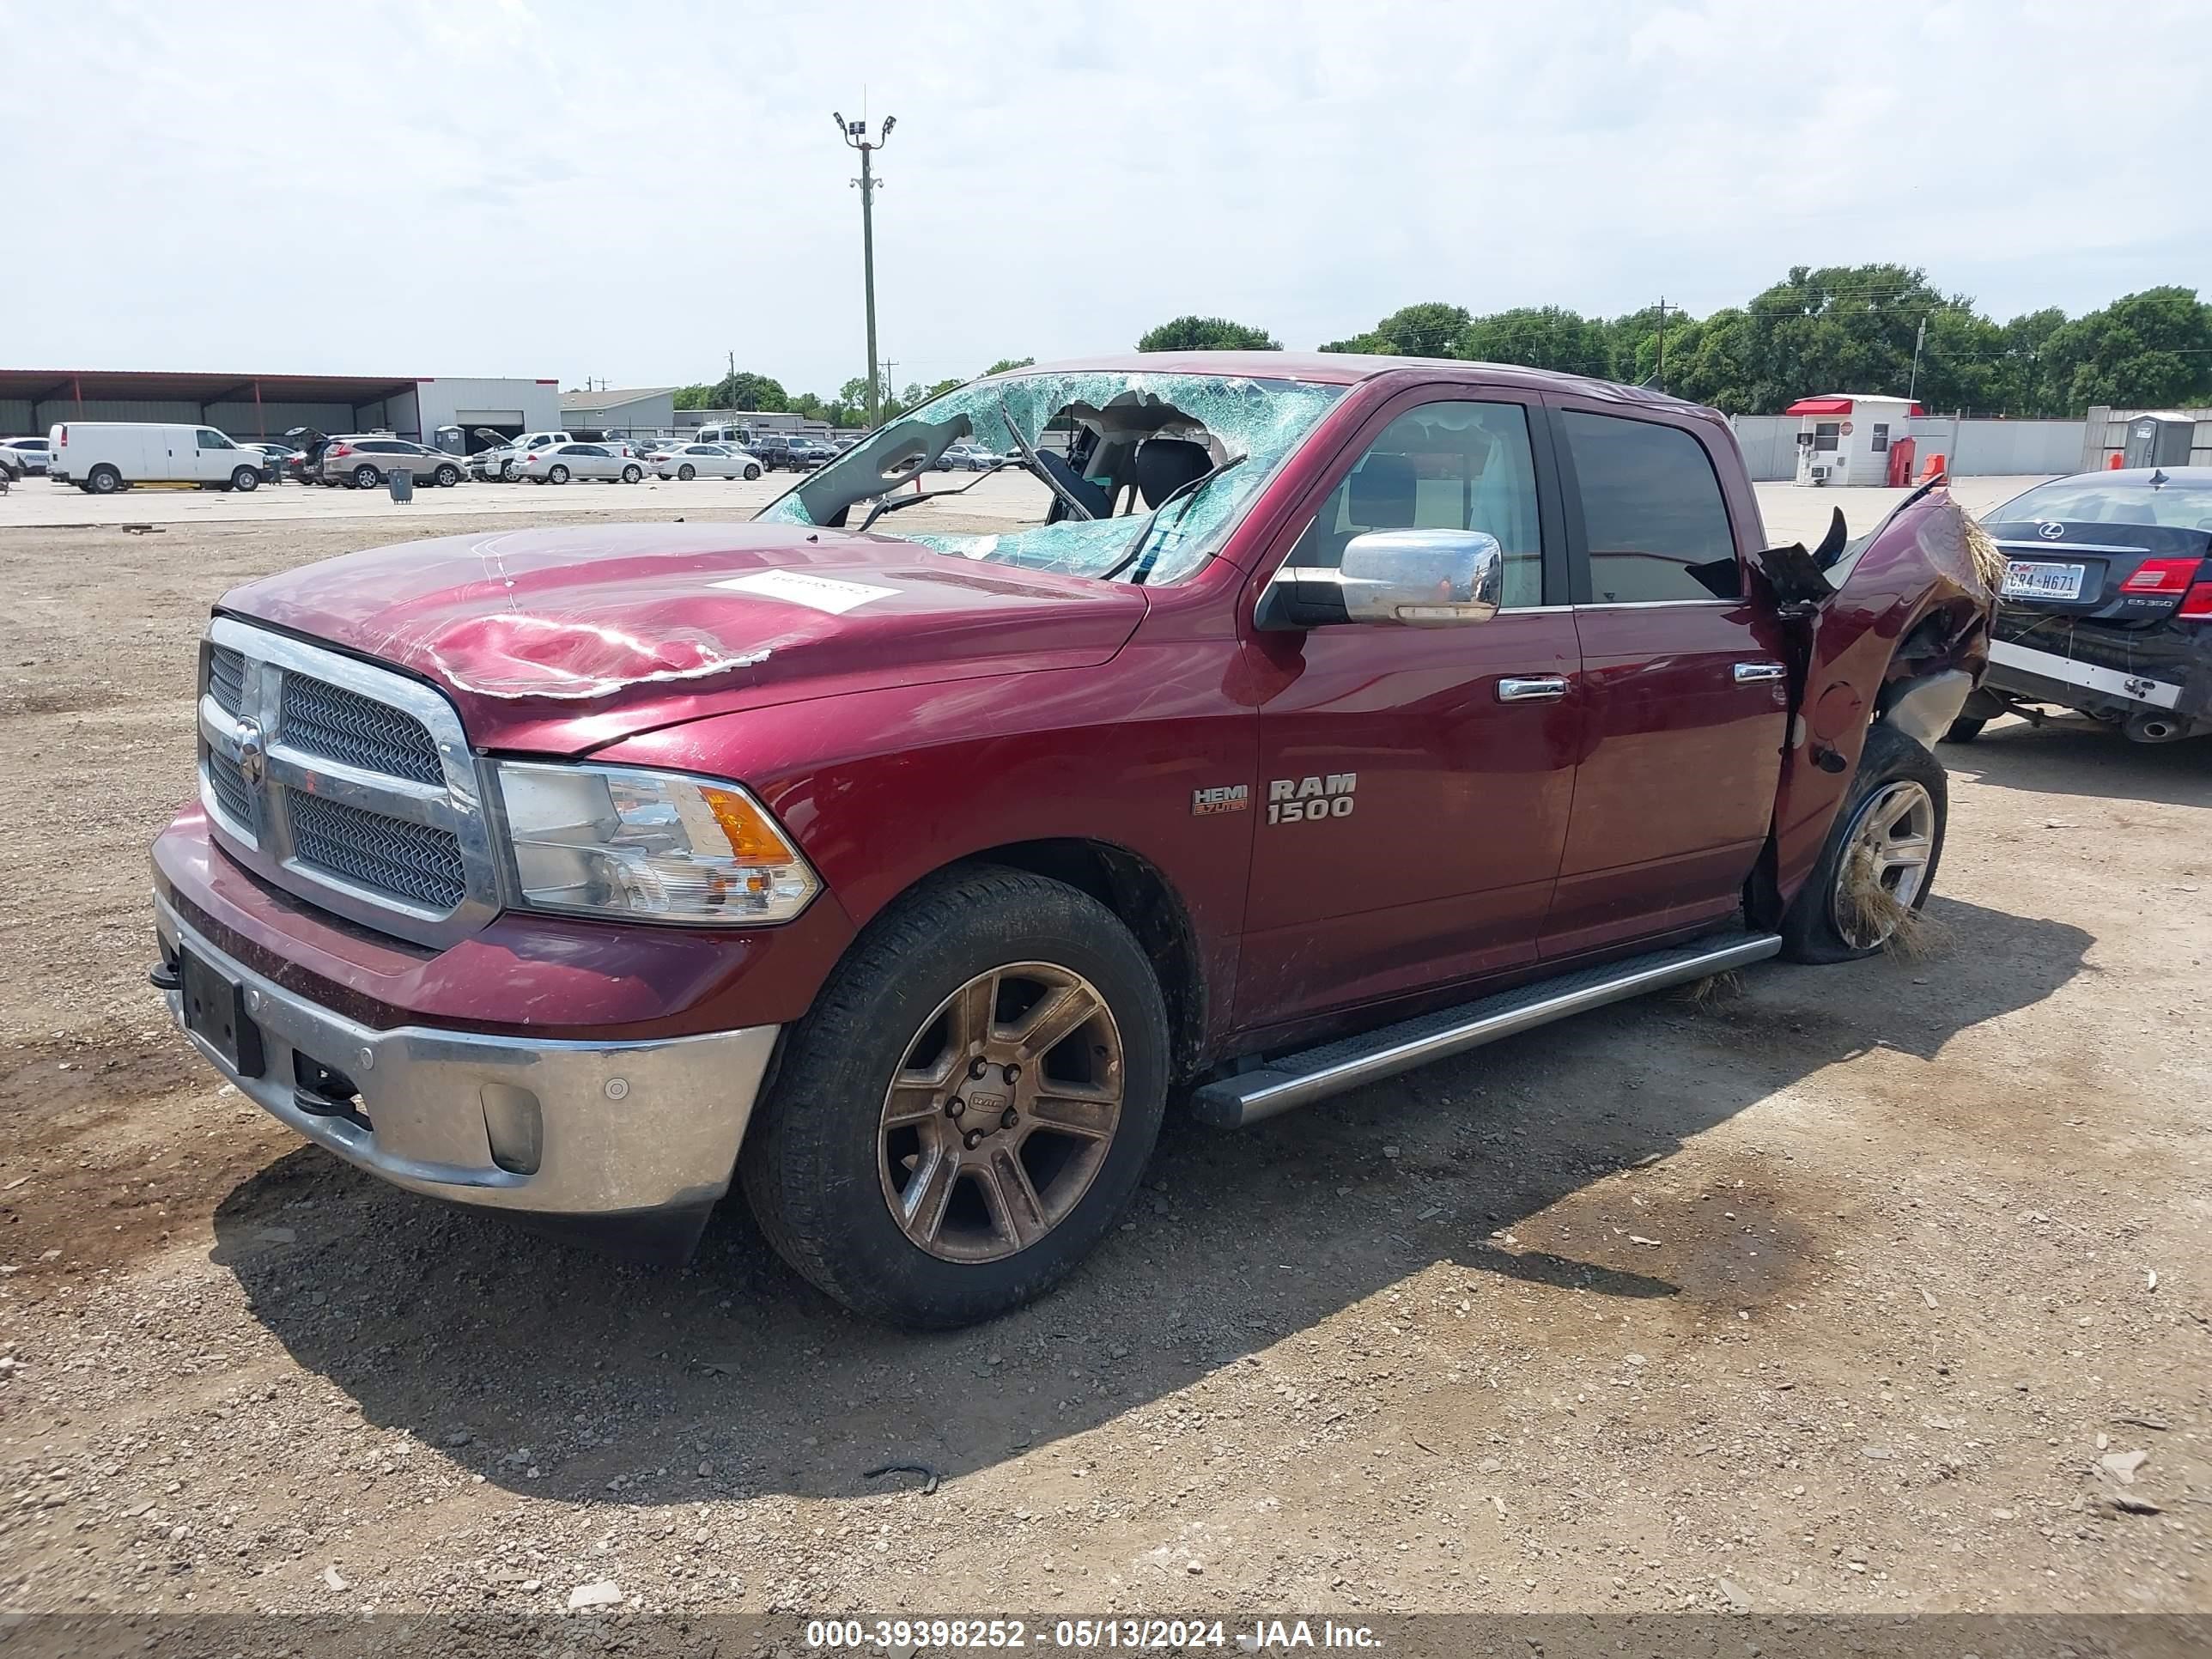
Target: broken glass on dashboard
[1126,474]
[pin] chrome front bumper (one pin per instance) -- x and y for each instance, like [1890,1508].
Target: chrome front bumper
[537,1127]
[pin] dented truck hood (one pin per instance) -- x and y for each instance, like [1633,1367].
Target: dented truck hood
[559,640]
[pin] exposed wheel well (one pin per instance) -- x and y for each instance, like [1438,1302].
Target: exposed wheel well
[1133,890]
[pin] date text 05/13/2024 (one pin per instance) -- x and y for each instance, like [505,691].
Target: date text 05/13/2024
[1087,1635]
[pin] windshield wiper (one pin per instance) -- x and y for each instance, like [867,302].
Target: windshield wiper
[899,503]
[1185,494]
[1029,459]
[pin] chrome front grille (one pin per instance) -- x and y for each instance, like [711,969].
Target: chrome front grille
[327,719]
[232,792]
[344,783]
[388,855]
[226,678]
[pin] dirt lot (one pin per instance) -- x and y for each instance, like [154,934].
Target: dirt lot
[1873,1288]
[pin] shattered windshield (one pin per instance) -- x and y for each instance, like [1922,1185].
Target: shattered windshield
[1109,473]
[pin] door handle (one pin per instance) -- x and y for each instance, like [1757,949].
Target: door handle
[1537,688]
[1751,673]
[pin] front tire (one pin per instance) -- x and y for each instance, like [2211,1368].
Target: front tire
[632,474]
[968,1106]
[245,478]
[1878,866]
[446,476]
[1965,729]
[751,473]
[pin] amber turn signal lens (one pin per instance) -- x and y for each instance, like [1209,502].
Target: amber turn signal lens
[752,838]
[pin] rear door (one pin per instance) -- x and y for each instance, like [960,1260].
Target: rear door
[1413,782]
[1683,684]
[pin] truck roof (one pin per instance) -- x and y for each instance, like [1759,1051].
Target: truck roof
[1350,369]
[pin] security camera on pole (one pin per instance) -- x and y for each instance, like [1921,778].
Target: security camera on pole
[855,134]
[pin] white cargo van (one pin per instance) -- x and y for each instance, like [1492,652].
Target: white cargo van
[106,456]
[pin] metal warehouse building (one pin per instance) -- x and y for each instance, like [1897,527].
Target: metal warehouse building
[266,405]
[622,409]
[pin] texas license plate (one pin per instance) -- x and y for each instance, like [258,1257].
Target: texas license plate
[2032,579]
[214,1011]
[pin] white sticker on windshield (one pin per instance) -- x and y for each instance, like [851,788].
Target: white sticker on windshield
[816,592]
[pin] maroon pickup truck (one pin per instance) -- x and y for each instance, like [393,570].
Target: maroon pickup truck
[1267,726]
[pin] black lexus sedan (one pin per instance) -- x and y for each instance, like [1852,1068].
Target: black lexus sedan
[2106,603]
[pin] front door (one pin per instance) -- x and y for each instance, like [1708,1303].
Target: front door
[1683,682]
[1408,818]
[214,457]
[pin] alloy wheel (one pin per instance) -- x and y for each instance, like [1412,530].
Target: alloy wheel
[1002,1112]
[1885,863]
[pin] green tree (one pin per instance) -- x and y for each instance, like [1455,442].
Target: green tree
[1539,336]
[2030,387]
[1427,329]
[694,396]
[1005,364]
[745,390]
[1208,334]
[2143,350]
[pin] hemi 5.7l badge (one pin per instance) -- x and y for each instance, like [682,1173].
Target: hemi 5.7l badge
[1221,798]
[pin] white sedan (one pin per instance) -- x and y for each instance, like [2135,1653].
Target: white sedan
[690,461]
[558,462]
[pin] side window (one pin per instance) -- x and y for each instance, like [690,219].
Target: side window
[1443,467]
[210,438]
[1825,434]
[1652,511]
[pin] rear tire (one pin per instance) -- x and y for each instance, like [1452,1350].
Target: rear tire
[364,478]
[687,473]
[955,969]
[103,480]
[1891,767]
[557,475]
[1965,729]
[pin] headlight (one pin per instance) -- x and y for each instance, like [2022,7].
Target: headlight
[610,841]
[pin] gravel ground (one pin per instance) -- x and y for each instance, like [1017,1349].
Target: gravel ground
[1872,1288]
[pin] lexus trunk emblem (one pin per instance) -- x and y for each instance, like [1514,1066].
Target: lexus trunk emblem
[2050,530]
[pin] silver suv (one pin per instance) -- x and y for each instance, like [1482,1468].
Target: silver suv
[365,462]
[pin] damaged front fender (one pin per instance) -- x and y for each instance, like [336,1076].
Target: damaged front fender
[1901,635]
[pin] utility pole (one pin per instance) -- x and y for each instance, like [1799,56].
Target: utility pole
[855,134]
[1661,376]
[1920,339]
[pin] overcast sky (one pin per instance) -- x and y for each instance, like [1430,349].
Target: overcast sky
[631,192]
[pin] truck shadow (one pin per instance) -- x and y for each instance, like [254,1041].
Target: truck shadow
[555,1372]
[2075,756]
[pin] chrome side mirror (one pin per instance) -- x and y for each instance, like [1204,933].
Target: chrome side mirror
[1424,578]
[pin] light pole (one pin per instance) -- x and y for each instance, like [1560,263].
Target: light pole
[1920,339]
[855,134]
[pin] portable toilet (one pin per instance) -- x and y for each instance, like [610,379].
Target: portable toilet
[1845,437]
[2159,440]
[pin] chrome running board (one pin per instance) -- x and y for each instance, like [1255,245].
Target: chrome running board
[1299,1079]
